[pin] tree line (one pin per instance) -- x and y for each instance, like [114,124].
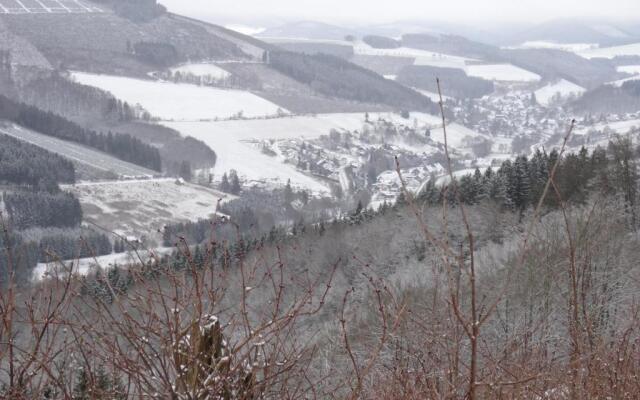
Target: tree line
[519,184]
[70,246]
[122,146]
[22,163]
[33,208]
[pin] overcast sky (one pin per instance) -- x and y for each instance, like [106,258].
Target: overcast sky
[359,11]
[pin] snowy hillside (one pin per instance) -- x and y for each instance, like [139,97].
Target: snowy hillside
[240,144]
[181,102]
[560,89]
[422,57]
[611,52]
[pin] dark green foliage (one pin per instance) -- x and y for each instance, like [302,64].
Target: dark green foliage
[610,99]
[98,385]
[225,186]
[451,44]
[71,246]
[381,42]
[25,164]
[160,55]
[122,146]
[29,209]
[136,10]
[17,255]
[454,81]
[185,171]
[519,185]
[235,187]
[336,77]
[116,282]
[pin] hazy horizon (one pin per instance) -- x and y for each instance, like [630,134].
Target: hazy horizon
[478,14]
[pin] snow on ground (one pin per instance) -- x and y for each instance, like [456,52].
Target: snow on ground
[561,88]
[180,102]
[84,266]
[422,57]
[432,95]
[76,152]
[202,70]
[143,207]
[629,69]
[617,127]
[245,29]
[234,141]
[251,163]
[502,72]
[541,44]
[284,39]
[611,52]
[391,77]
[621,82]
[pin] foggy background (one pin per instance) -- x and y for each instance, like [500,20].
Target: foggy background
[478,13]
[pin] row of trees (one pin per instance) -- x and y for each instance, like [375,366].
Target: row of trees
[519,184]
[69,246]
[122,146]
[29,209]
[22,163]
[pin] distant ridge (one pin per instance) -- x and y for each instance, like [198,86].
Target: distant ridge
[46,7]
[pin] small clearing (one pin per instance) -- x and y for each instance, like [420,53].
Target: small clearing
[144,207]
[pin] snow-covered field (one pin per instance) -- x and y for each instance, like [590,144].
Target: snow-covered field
[611,52]
[202,70]
[617,127]
[245,29]
[142,207]
[234,141]
[541,44]
[629,69]
[84,266]
[621,82]
[502,73]
[76,152]
[561,88]
[181,102]
[422,57]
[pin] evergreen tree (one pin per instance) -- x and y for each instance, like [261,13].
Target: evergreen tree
[225,186]
[235,188]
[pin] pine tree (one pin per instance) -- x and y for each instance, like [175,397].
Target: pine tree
[235,188]
[225,186]
[288,193]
